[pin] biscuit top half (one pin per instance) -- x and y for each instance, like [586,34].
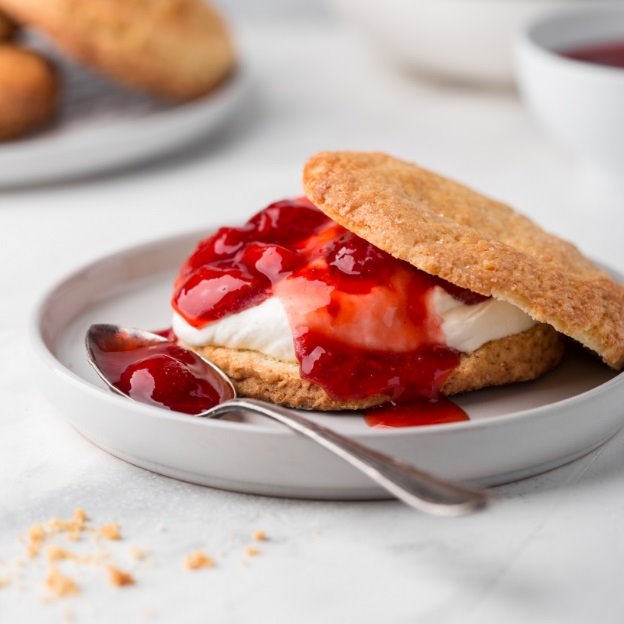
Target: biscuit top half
[445,229]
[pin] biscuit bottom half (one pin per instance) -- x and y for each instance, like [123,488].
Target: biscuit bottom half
[519,357]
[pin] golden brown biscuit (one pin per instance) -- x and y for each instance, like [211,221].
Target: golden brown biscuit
[28,91]
[515,358]
[177,49]
[448,230]
[8,28]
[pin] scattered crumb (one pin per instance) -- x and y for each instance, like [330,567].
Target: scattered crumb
[36,536]
[54,553]
[68,616]
[80,515]
[38,533]
[59,585]
[198,560]
[72,528]
[138,554]
[118,577]
[96,559]
[110,531]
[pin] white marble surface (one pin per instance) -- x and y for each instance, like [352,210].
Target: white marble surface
[548,550]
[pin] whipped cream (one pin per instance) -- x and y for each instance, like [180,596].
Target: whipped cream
[262,328]
[265,328]
[468,327]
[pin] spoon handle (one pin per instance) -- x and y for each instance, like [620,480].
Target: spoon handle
[416,488]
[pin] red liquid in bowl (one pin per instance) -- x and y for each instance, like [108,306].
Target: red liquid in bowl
[610,53]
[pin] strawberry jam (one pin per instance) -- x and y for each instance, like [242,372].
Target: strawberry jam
[162,374]
[610,53]
[415,413]
[360,318]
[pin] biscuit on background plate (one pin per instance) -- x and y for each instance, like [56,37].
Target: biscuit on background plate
[29,91]
[175,49]
[447,230]
[8,28]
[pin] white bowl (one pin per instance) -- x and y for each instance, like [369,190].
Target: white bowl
[459,40]
[580,104]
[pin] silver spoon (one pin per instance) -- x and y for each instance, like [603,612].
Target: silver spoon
[414,487]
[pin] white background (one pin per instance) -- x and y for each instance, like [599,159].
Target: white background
[548,550]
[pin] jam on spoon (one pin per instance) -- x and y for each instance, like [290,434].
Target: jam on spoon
[157,372]
[119,355]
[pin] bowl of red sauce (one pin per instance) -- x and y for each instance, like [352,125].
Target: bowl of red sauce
[570,73]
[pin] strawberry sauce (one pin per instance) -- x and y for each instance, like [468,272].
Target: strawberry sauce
[415,413]
[360,318]
[162,374]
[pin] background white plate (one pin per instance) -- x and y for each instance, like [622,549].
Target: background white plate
[514,431]
[104,126]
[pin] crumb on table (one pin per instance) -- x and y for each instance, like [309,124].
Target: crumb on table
[138,554]
[36,536]
[55,553]
[59,585]
[39,532]
[110,531]
[80,515]
[118,577]
[252,551]
[198,560]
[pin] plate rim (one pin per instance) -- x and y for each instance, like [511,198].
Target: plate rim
[222,101]
[40,349]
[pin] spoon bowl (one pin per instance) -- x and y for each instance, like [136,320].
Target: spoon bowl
[133,362]
[113,349]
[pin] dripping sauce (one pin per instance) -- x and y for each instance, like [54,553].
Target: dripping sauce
[360,318]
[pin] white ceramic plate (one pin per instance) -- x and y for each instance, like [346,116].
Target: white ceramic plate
[514,432]
[103,126]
